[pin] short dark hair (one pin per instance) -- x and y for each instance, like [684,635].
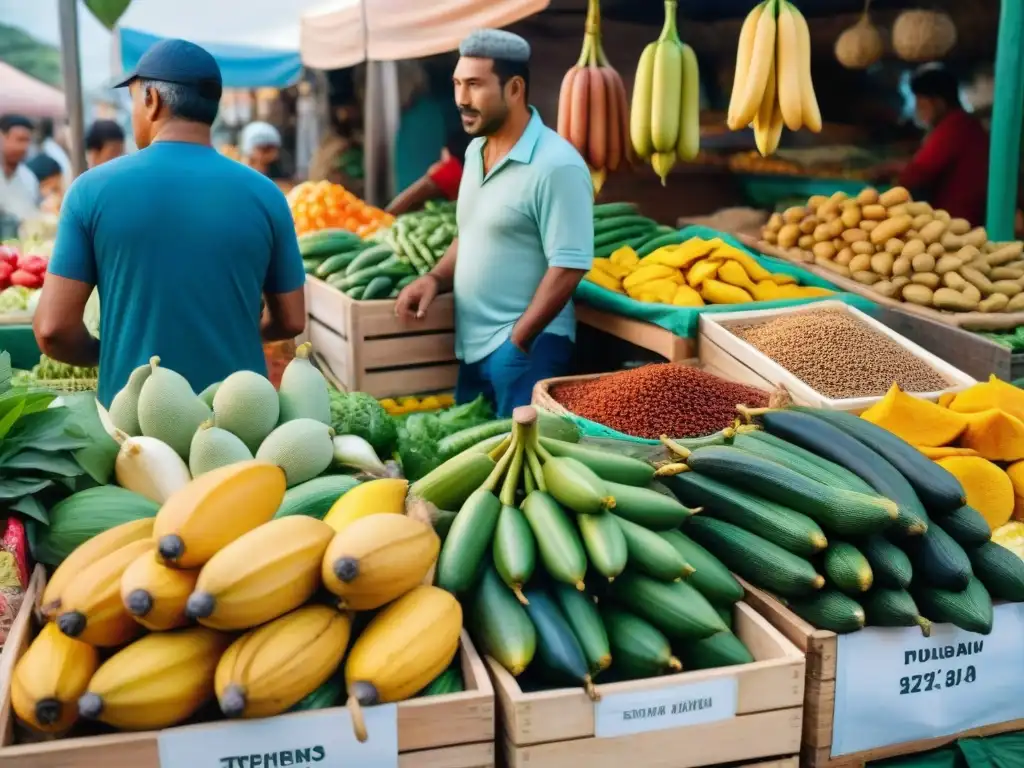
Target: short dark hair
[45,128]
[506,69]
[44,167]
[185,102]
[7,122]
[936,83]
[102,132]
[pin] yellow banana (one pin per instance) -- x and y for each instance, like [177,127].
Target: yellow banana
[774,131]
[157,681]
[665,105]
[261,575]
[49,678]
[215,509]
[662,163]
[744,52]
[809,102]
[86,554]
[688,144]
[386,494]
[787,69]
[640,108]
[761,58]
[155,594]
[268,670]
[763,119]
[91,608]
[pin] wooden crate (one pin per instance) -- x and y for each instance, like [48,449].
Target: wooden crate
[369,349]
[553,729]
[674,349]
[448,731]
[730,356]
[821,649]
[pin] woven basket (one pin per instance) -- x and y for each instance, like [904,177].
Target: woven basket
[67,385]
[542,392]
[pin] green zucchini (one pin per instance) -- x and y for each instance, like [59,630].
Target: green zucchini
[793,531]
[488,445]
[407,280]
[394,271]
[1000,570]
[309,265]
[935,486]
[631,219]
[893,608]
[726,615]
[556,427]
[757,560]
[846,568]
[449,485]
[639,649]
[966,525]
[515,551]
[315,497]
[580,611]
[674,607]
[611,467]
[939,561]
[326,242]
[889,564]
[619,235]
[576,486]
[334,264]
[605,543]
[442,521]
[459,441]
[557,646]
[369,258]
[832,443]
[378,288]
[561,550]
[673,238]
[500,625]
[449,681]
[466,544]
[723,649]
[324,697]
[846,513]
[969,609]
[355,292]
[790,459]
[710,577]
[610,210]
[829,610]
[647,507]
[651,554]
[604,251]
[844,478]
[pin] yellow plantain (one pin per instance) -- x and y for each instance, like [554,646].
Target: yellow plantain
[774,131]
[809,102]
[744,51]
[688,144]
[761,59]
[640,109]
[667,95]
[765,111]
[155,594]
[787,69]
[48,679]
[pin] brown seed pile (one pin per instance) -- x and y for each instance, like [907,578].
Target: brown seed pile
[662,399]
[839,356]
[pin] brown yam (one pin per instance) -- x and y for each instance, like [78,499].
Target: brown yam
[882,263]
[788,235]
[867,196]
[923,262]
[860,263]
[918,294]
[874,212]
[997,302]
[893,227]
[894,196]
[959,226]
[863,248]
[866,277]
[902,266]
[926,278]
[914,248]
[954,301]
[894,246]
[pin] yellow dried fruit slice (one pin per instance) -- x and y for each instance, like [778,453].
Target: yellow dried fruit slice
[919,422]
[987,487]
[944,451]
[994,434]
[1010,536]
[993,393]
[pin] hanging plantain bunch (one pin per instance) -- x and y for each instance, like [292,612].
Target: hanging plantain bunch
[593,113]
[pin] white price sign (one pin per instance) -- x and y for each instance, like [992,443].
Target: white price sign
[657,709]
[894,685]
[323,739]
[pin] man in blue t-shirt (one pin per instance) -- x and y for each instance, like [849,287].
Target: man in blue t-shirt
[181,242]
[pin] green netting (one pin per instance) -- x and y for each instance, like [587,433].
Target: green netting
[683,321]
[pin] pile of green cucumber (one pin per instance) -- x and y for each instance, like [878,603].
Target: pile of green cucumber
[420,239]
[619,224]
[844,522]
[360,269]
[569,561]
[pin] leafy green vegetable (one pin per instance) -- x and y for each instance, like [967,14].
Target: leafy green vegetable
[420,434]
[358,413]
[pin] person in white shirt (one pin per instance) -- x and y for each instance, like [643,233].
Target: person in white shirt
[48,145]
[19,188]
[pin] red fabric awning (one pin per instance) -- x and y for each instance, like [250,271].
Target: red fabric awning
[22,94]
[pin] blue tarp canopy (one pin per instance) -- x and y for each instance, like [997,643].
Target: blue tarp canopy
[241,66]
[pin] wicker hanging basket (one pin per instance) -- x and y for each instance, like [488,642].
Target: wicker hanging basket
[921,35]
[860,46]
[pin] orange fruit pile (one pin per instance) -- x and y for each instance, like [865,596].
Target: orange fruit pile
[322,205]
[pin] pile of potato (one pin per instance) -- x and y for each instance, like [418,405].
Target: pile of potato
[904,250]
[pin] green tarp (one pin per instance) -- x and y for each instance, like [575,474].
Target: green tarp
[683,321]
[1005,751]
[20,342]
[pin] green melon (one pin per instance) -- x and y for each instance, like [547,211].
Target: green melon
[124,408]
[246,405]
[169,410]
[302,448]
[213,447]
[303,392]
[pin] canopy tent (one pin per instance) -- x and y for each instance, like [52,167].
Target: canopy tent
[392,30]
[24,95]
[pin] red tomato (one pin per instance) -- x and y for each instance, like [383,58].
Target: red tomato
[9,254]
[27,279]
[34,264]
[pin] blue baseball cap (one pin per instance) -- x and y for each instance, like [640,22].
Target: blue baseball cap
[181,62]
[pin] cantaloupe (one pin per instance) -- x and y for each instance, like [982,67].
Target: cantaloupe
[246,405]
[213,447]
[303,392]
[302,448]
[169,410]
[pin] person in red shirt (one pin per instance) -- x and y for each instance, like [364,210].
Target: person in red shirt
[441,180]
[950,170]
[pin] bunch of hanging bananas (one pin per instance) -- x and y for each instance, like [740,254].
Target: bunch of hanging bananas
[773,85]
[592,107]
[665,115]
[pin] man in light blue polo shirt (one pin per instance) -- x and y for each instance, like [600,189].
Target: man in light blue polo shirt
[526,232]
